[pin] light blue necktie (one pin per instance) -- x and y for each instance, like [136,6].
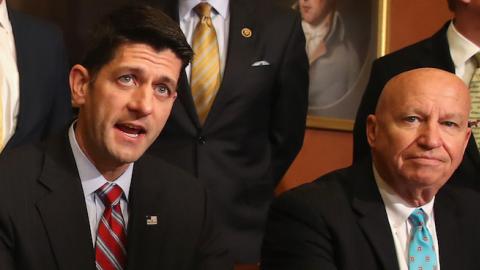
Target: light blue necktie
[421,254]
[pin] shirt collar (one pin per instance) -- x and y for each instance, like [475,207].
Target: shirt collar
[461,49]
[398,209]
[4,20]
[185,7]
[90,177]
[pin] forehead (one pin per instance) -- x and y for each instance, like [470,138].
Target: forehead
[143,56]
[141,50]
[424,94]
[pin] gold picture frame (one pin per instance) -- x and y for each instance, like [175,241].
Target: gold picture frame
[341,115]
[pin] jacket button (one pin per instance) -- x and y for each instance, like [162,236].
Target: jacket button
[202,140]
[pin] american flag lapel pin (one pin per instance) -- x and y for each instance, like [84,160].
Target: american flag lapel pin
[152,220]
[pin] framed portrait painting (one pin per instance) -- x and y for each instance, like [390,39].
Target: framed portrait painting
[343,37]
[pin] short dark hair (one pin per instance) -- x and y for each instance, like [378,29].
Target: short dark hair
[137,23]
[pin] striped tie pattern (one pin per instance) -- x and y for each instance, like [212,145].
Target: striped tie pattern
[205,77]
[110,252]
[421,254]
[475,97]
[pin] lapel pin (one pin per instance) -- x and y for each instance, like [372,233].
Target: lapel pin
[246,32]
[152,220]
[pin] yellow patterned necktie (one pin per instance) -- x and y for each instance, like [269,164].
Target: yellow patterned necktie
[205,76]
[475,96]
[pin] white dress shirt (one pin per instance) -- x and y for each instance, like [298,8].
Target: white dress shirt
[462,50]
[398,211]
[92,180]
[10,92]
[220,18]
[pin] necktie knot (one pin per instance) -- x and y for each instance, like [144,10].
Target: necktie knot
[417,218]
[110,194]
[203,10]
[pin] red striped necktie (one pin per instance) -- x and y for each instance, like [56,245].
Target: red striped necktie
[110,248]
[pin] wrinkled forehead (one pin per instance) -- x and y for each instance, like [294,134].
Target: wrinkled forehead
[426,90]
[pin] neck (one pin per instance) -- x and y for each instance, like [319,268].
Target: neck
[110,169]
[114,173]
[467,25]
[416,197]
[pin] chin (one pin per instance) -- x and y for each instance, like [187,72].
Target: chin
[426,179]
[127,156]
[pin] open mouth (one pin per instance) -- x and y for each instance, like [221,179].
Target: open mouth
[132,131]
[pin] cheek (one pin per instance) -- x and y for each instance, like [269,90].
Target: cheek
[455,149]
[161,113]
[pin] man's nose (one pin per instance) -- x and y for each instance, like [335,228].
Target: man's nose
[430,135]
[142,100]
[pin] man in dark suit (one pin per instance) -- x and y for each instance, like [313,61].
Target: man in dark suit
[256,124]
[451,49]
[39,101]
[89,199]
[360,217]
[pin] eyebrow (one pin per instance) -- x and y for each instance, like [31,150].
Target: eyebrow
[162,78]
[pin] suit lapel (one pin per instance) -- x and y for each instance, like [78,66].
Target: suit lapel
[437,52]
[63,210]
[373,218]
[240,53]
[447,223]
[147,199]
[186,100]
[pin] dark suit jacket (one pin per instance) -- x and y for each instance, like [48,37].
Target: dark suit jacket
[340,222]
[255,127]
[44,221]
[45,106]
[431,52]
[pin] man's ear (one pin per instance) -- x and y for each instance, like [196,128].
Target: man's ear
[372,126]
[79,82]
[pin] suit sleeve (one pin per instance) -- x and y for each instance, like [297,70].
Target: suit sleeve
[296,237]
[367,106]
[61,111]
[213,253]
[290,104]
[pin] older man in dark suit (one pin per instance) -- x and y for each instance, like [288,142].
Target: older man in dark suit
[453,49]
[90,199]
[34,92]
[395,211]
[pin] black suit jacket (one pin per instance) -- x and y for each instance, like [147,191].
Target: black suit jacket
[45,106]
[340,222]
[255,127]
[432,52]
[44,221]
